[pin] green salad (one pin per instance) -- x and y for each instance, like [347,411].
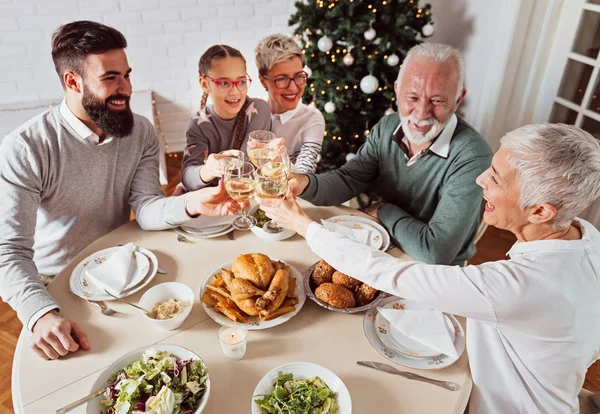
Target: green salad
[309,396]
[261,218]
[159,383]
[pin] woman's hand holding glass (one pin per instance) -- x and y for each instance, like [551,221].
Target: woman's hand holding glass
[240,183]
[286,212]
[215,164]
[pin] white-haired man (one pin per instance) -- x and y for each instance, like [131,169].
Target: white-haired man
[423,163]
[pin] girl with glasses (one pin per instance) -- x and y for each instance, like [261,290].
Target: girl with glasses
[226,122]
[280,62]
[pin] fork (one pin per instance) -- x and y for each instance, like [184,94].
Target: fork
[103,308]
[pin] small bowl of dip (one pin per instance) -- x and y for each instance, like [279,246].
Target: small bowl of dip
[169,304]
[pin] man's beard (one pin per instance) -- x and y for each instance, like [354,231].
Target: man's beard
[419,138]
[114,123]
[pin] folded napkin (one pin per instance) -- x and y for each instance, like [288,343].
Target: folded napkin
[207,222]
[361,236]
[426,326]
[116,272]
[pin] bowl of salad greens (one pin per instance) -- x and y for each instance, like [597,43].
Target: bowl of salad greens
[167,379]
[261,219]
[301,388]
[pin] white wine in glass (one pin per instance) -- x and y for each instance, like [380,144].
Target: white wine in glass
[239,183]
[261,156]
[272,182]
[258,148]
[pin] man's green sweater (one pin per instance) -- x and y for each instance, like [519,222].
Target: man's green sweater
[433,207]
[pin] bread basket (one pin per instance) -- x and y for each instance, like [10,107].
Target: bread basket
[309,288]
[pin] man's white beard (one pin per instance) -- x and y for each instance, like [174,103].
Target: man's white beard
[419,138]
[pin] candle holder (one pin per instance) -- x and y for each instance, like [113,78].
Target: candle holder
[233,340]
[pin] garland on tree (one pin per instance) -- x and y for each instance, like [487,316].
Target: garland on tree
[353,49]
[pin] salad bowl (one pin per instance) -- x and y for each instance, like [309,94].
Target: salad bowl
[303,371]
[107,376]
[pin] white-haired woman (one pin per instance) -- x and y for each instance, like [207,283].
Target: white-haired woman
[533,321]
[280,68]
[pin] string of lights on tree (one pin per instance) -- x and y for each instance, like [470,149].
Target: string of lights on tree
[353,49]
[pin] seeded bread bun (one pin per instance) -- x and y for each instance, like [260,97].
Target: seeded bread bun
[322,273]
[346,281]
[335,295]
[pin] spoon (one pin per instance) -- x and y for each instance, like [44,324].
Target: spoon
[124,301]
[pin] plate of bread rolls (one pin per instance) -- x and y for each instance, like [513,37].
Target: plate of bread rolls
[337,291]
[254,290]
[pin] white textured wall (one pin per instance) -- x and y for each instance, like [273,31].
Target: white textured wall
[166,38]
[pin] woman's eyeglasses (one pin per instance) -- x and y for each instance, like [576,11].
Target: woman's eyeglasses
[227,85]
[282,82]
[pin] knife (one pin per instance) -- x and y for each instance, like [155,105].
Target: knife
[81,401]
[391,370]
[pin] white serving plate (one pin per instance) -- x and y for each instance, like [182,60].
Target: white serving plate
[254,322]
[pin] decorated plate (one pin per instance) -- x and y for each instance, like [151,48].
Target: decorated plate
[399,341]
[199,234]
[146,266]
[254,322]
[379,237]
[438,362]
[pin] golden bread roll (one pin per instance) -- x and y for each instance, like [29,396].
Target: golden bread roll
[254,267]
[322,273]
[364,294]
[335,295]
[346,281]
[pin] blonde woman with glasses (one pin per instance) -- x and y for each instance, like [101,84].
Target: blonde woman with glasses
[280,68]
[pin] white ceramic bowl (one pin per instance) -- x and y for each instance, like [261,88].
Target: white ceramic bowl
[94,406]
[163,292]
[286,234]
[304,370]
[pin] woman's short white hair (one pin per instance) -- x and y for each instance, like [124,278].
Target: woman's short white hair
[274,49]
[439,53]
[557,164]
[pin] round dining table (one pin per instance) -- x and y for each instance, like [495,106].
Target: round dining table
[332,339]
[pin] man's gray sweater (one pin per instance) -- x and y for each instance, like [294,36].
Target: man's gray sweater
[60,192]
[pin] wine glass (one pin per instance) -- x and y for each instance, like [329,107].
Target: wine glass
[272,182]
[239,183]
[226,158]
[258,148]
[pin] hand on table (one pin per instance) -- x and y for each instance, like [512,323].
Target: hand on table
[286,212]
[212,201]
[212,168]
[55,336]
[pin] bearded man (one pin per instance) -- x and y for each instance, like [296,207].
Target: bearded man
[423,163]
[73,173]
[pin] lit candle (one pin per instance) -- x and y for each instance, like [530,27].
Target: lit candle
[233,341]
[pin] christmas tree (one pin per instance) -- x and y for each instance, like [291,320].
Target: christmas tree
[353,49]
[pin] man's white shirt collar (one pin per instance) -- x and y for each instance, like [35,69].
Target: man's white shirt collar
[82,131]
[287,115]
[441,146]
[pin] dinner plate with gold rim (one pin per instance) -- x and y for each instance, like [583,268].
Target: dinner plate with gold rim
[438,362]
[398,341]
